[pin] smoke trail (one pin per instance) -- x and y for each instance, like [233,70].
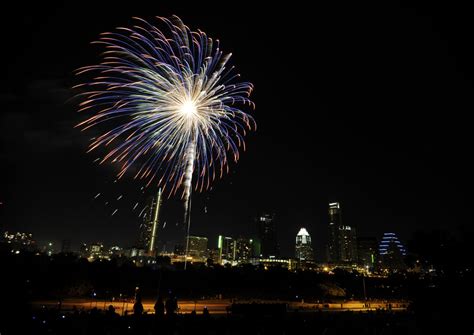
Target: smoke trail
[188,176]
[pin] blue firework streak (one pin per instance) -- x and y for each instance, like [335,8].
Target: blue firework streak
[169,105]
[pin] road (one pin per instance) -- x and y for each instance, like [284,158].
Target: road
[216,306]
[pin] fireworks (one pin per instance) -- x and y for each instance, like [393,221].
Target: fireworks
[168,105]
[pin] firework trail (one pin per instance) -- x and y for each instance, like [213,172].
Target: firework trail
[168,104]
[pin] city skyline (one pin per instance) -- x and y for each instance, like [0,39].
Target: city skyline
[141,238]
[347,247]
[353,127]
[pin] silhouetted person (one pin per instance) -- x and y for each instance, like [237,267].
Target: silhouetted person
[111,312]
[171,306]
[138,294]
[138,307]
[205,312]
[110,322]
[159,308]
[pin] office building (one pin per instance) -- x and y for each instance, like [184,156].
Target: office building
[303,247]
[226,246]
[243,250]
[335,221]
[342,239]
[197,247]
[347,245]
[267,236]
[367,251]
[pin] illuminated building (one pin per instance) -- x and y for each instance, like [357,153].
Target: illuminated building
[48,249]
[197,253]
[342,241]
[335,221]
[266,232]
[303,248]
[390,240]
[84,250]
[347,244]
[391,253]
[116,251]
[19,241]
[243,250]
[179,249]
[256,248]
[367,251]
[96,250]
[273,262]
[214,255]
[226,246]
[234,251]
[197,247]
[149,226]
[136,253]
[93,251]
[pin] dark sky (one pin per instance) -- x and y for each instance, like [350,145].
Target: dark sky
[369,105]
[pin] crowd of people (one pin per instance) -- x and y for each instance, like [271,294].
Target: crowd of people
[167,320]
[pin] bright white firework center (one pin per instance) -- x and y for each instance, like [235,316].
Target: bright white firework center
[188,108]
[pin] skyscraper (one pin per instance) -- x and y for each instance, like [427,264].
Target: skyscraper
[347,244]
[303,248]
[149,226]
[243,250]
[197,246]
[226,246]
[335,221]
[367,251]
[266,232]
[342,242]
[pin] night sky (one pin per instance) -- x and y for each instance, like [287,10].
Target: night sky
[368,105]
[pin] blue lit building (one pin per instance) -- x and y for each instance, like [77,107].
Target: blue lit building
[391,253]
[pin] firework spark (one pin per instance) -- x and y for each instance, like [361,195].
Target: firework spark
[168,104]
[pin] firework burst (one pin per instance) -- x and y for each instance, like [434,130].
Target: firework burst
[168,104]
